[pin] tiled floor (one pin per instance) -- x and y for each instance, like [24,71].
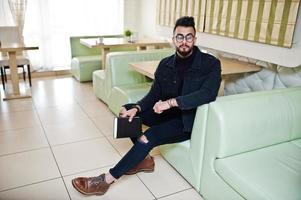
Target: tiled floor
[62,132]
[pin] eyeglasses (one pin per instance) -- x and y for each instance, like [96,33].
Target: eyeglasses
[180,37]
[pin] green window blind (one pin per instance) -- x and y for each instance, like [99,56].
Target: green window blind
[266,21]
[168,11]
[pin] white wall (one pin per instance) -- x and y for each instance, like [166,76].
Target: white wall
[132,14]
[145,23]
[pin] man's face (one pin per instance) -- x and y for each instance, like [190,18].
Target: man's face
[184,40]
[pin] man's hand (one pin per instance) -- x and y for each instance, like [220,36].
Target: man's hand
[128,113]
[160,106]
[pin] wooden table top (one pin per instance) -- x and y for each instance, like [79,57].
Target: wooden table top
[117,42]
[10,47]
[229,67]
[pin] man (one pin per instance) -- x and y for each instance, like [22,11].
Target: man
[183,81]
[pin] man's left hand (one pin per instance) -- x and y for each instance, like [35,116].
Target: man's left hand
[160,106]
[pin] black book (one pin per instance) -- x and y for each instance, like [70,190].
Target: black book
[123,128]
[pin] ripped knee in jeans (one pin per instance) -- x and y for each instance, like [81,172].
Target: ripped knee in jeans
[143,139]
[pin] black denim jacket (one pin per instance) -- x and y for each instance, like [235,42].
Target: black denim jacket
[201,84]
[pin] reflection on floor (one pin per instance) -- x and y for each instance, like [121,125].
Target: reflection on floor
[62,132]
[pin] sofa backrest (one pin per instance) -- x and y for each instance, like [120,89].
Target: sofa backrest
[77,49]
[117,66]
[249,121]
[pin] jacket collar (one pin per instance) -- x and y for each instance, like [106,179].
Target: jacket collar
[195,63]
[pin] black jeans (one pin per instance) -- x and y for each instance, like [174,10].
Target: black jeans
[164,128]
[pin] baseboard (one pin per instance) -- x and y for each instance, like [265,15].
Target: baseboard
[38,74]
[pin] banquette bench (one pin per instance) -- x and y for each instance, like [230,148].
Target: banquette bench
[85,60]
[118,84]
[244,146]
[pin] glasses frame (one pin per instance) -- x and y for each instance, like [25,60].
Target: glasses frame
[186,37]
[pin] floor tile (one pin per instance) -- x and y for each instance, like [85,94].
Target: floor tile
[86,155]
[190,194]
[155,151]
[61,114]
[122,145]
[53,92]
[127,188]
[88,97]
[71,131]
[48,190]
[84,93]
[164,180]
[104,124]
[96,109]
[27,168]
[47,102]
[17,120]
[16,105]
[22,140]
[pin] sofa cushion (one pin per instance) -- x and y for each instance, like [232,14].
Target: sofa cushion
[269,173]
[82,67]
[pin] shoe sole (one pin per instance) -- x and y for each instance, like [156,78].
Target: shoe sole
[85,193]
[141,170]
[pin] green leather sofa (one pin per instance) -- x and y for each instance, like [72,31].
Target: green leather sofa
[245,146]
[85,60]
[118,84]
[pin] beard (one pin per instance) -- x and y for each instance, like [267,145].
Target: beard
[184,50]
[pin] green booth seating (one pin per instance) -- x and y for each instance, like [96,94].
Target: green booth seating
[118,84]
[85,60]
[245,146]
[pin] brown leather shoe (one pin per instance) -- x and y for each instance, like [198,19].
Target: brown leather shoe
[91,185]
[146,165]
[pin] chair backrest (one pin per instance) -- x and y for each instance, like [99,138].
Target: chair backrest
[9,34]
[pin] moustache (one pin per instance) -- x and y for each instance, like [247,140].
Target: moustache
[184,45]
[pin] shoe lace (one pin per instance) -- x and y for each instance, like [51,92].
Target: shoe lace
[98,179]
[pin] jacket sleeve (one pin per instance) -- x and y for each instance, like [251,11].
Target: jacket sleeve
[154,95]
[206,93]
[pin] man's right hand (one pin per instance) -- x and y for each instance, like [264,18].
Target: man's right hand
[128,113]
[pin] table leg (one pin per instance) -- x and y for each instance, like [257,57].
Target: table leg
[104,52]
[140,48]
[14,72]
[221,90]
[14,79]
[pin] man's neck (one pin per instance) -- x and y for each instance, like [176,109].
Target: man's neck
[183,57]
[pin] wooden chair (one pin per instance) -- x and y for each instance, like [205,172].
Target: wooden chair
[10,34]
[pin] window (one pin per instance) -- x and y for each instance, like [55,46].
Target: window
[6,18]
[50,23]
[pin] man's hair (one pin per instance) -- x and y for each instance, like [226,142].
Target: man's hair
[185,21]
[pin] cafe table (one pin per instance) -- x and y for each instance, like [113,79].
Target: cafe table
[12,49]
[107,43]
[230,68]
